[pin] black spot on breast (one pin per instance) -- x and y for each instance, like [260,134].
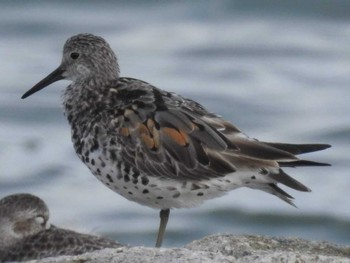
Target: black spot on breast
[109,177]
[127,169]
[200,194]
[126,178]
[79,145]
[113,155]
[176,195]
[264,171]
[253,177]
[92,162]
[130,193]
[144,180]
[195,187]
[159,197]
[94,145]
[145,191]
[136,174]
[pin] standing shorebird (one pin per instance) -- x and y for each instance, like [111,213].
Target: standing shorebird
[25,232]
[157,148]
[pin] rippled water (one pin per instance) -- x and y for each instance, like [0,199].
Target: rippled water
[279,72]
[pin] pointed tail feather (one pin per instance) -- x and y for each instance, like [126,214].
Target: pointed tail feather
[281,177]
[298,148]
[301,163]
[289,181]
[273,189]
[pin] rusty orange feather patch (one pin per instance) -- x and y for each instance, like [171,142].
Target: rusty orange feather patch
[176,136]
[124,131]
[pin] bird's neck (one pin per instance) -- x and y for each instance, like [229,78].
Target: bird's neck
[83,99]
[7,236]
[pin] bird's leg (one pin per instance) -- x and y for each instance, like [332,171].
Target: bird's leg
[164,216]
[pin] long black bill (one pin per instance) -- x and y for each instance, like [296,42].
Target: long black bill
[51,78]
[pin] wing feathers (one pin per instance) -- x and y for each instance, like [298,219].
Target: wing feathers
[275,190]
[259,150]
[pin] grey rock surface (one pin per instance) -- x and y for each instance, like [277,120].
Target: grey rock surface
[267,249]
[221,248]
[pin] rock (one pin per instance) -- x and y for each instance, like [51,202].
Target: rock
[140,255]
[267,249]
[223,248]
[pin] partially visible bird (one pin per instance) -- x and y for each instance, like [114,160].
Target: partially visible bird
[155,147]
[25,232]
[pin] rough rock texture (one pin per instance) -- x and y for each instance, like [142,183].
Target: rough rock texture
[266,249]
[222,248]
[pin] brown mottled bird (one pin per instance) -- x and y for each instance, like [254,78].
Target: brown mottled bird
[25,232]
[158,148]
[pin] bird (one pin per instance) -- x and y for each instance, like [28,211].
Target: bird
[26,233]
[158,148]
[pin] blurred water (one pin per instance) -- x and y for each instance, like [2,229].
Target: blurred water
[279,70]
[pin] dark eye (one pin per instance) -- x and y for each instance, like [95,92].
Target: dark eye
[74,55]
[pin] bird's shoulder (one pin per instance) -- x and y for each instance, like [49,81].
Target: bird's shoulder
[129,91]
